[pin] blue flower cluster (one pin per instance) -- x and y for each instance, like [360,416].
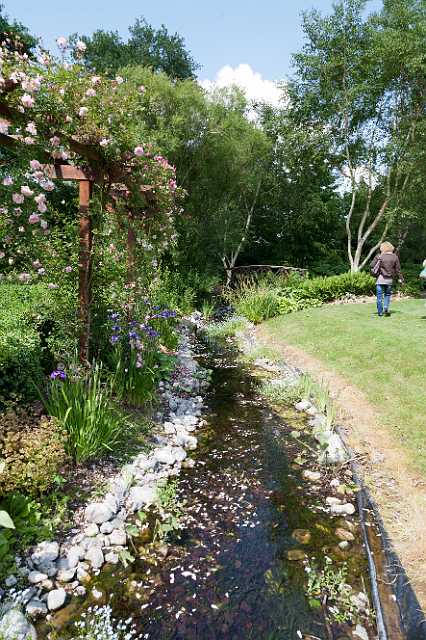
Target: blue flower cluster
[58,374]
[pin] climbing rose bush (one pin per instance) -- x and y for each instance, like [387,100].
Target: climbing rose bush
[56,111]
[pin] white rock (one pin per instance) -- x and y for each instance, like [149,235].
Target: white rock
[303,405]
[66,575]
[36,608]
[99,512]
[118,537]
[14,626]
[36,576]
[95,557]
[74,554]
[45,552]
[97,594]
[112,558]
[142,496]
[91,530]
[56,599]
[347,509]
[312,476]
[49,568]
[331,500]
[360,632]
[165,455]
[107,527]
[10,581]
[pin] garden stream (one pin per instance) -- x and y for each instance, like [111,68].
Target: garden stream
[230,576]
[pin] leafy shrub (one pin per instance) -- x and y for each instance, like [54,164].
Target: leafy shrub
[32,319]
[33,451]
[84,407]
[266,299]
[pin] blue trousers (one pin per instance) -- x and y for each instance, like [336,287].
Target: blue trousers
[381,289]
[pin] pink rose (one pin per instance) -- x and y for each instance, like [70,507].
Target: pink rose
[27,100]
[31,128]
[35,165]
[7,181]
[18,198]
[90,93]
[26,191]
[34,218]
[82,111]
[139,151]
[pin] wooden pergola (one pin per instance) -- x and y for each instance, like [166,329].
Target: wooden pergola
[97,173]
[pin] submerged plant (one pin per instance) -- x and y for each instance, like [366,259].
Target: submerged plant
[98,624]
[169,523]
[328,587]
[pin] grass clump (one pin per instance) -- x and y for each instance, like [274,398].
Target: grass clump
[227,328]
[84,406]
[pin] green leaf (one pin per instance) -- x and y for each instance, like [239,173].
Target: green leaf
[6,521]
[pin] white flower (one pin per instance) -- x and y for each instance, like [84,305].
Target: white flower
[82,111]
[62,42]
[90,93]
[104,142]
[7,181]
[43,224]
[119,80]
[96,79]
[81,46]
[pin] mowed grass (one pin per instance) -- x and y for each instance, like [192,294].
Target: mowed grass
[383,357]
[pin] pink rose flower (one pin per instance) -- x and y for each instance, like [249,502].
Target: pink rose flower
[90,93]
[26,191]
[139,151]
[82,111]
[7,181]
[35,165]
[34,218]
[18,198]
[31,128]
[81,46]
[96,79]
[4,128]
[55,141]
[62,42]
[27,100]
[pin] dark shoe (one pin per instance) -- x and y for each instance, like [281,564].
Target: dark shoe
[387,313]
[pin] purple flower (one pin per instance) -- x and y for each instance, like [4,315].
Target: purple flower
[114,339]
[58,374]
[114,315]
[116,328]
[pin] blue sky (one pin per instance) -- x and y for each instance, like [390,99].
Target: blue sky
[261,34]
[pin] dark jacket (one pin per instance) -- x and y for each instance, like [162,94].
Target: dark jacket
[389,265]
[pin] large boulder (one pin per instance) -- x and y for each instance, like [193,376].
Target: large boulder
[99,512]
[15,626]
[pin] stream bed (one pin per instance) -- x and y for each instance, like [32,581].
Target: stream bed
[254,532]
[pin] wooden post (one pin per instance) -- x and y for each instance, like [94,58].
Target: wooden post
[85,268]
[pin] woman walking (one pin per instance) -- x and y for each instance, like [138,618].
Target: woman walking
[385,267]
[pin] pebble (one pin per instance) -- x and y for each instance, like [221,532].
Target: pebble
[118,537]
[302,536]
[303,405]
[34,577]
[312,476]
[56,599]
[342,534]
[95,557]
[98,512]
[10,581]
[347,509]
[45,552]
[66,575]
[36,608]
[296,554]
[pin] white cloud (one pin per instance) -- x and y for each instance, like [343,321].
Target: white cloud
[256,88]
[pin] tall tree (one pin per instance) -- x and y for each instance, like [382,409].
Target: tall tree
[347,86]
[106,51]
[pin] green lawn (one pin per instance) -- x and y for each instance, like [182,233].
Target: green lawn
[384,357]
